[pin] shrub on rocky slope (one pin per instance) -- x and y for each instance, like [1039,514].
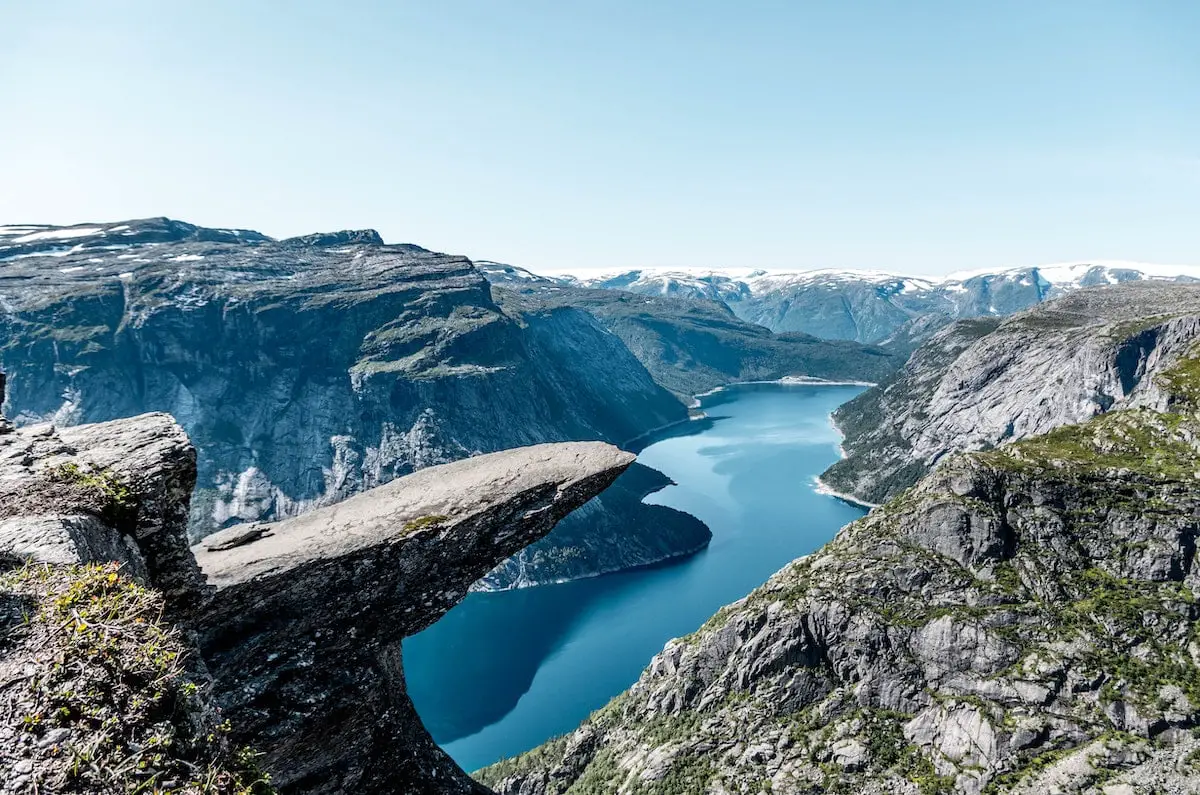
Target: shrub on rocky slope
[101,695]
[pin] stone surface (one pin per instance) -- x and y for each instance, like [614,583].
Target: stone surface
[303,636]
[93,493]
[982,383]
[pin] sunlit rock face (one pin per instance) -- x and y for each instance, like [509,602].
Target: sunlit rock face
[303,633]
[985,382]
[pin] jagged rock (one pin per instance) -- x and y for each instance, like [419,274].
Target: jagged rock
[303,634]
[347,237]
[94,493]
[1022,620]
[982,383]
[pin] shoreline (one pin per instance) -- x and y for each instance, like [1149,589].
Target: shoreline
[821,487]
[787,380]
[632,444]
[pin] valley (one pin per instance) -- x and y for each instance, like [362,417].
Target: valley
[503,672]
[306,513]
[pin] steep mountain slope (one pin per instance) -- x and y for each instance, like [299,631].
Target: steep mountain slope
[1024,620]
[869,306]
[984,382]
[691,346]
[307,370]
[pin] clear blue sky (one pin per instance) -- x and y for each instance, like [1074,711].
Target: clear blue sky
[917,136]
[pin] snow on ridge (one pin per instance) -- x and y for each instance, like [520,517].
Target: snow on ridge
[1070,274]
[59,234]
[1064,275]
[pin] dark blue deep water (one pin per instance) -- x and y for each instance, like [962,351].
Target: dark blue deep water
[503,672]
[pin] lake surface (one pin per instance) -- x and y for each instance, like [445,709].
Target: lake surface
[503,672]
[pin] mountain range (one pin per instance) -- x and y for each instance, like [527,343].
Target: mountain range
[866,306]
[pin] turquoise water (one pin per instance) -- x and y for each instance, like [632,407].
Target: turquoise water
[503,672]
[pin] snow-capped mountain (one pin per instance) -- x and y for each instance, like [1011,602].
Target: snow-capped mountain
[871,306]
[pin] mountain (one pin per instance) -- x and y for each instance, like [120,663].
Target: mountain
[870,306]
[980,383]
[1023,620]
[307,370]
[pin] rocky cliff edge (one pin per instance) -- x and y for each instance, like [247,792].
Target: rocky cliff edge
[291,630]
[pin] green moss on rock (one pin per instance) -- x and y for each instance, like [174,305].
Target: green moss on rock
[101,694]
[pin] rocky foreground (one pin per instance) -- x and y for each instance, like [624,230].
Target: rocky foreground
[1022,620]
[283,637]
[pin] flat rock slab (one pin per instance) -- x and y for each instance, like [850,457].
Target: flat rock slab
[422,503]
[303,631]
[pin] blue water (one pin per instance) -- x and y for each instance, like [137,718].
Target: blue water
[503,672]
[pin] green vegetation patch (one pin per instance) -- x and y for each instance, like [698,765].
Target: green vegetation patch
[1137,440]
[97,690]
[425,522]
[1182,380]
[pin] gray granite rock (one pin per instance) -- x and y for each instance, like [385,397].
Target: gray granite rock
[986,382]
[303,636]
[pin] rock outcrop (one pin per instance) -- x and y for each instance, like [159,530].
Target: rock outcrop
[115,491]
[296,624]
[986,382]
[1023,620]
[303,634]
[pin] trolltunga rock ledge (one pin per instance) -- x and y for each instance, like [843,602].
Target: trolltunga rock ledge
[303,633]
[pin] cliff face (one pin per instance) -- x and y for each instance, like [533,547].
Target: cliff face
[288,630]
[981,383]
[311,369]
[1023,620]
